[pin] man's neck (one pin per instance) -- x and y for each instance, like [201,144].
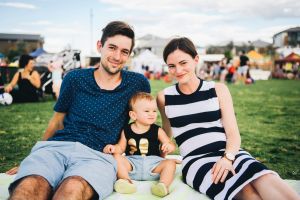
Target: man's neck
[105,80]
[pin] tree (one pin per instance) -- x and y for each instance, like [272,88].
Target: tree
[18,51]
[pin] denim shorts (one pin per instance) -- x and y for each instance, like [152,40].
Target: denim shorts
[142,167]
[57,160]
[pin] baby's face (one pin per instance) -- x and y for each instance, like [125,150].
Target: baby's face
[146,111]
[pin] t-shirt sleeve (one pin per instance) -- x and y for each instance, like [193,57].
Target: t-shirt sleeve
[145,85]
[65,95]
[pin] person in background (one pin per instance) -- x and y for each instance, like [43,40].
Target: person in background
[145,144]
[28,81]
[56,69]
[243,67]
[201,116]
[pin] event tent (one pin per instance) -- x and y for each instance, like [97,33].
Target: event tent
[2,55]
[37,52]
[147,58]
[293,57]
[254,55]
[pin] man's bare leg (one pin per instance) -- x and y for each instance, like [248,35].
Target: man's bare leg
[74,187]
[31,188]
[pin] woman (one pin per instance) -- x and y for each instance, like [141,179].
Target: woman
[28,82]
[201,117]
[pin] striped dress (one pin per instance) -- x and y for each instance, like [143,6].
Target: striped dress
[198,130]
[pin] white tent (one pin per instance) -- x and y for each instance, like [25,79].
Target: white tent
[147,58]
[211,57]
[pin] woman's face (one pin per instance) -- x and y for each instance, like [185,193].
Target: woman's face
[182,66]
[30,65]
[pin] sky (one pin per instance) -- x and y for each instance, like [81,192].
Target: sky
[65,23]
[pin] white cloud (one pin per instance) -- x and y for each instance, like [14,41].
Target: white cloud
[38,23]
[233,8]
[19,5]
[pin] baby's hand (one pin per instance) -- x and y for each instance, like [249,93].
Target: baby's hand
[168,147]
[110,149]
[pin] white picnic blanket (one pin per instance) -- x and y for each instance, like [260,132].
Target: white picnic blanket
[178,190]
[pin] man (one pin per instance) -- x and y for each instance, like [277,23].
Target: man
[90,113]
[243,68]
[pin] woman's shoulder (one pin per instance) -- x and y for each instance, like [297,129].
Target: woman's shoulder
[35,73]
[221,89]
[170,90]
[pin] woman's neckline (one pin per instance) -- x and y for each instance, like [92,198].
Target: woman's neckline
[198,88]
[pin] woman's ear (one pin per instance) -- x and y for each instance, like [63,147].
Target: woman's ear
[132,115]
[196,58]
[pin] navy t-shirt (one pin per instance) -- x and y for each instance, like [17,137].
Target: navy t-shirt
[95,117]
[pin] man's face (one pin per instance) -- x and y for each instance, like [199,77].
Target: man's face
[114,53]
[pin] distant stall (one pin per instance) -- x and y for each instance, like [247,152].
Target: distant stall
[287,67]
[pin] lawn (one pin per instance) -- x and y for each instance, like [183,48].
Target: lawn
[268,114]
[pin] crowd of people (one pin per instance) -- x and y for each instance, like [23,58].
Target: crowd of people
[226,71]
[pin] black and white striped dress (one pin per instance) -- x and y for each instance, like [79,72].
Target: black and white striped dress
[198,130]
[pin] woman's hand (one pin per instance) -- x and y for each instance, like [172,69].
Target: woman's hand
[8,88]
[221,169]
[12,171]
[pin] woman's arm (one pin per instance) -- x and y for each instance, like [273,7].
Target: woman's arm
[13,83]
[161,106]
[224,166]
[35,79]
[228,119]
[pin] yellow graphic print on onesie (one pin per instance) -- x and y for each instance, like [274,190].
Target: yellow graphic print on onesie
[143,146]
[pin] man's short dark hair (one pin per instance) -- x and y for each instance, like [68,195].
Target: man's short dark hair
[117,28]
[24,60]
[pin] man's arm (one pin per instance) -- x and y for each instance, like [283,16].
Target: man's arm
[55,123]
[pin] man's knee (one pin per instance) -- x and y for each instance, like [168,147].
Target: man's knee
[76,183]
[32,184]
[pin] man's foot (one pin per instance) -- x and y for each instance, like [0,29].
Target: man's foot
[159,190]
[123,186]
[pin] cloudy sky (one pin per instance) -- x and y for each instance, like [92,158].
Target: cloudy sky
[68,22]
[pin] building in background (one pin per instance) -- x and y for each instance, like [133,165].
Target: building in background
[28,42]
[289,37]
[151,42]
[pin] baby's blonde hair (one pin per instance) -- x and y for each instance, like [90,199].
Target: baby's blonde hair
[139,96]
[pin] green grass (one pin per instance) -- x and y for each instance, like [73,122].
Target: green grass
[268,114]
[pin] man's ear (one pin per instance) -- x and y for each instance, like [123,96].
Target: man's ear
[99,46]
[132,115]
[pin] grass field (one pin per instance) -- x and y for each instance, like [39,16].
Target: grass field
[268,114]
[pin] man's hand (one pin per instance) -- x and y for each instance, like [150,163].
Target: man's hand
[12,171]
[109,149]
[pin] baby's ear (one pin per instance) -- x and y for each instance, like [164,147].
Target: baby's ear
[132,115]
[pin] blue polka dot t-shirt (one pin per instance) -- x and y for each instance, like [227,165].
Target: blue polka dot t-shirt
[95,117]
